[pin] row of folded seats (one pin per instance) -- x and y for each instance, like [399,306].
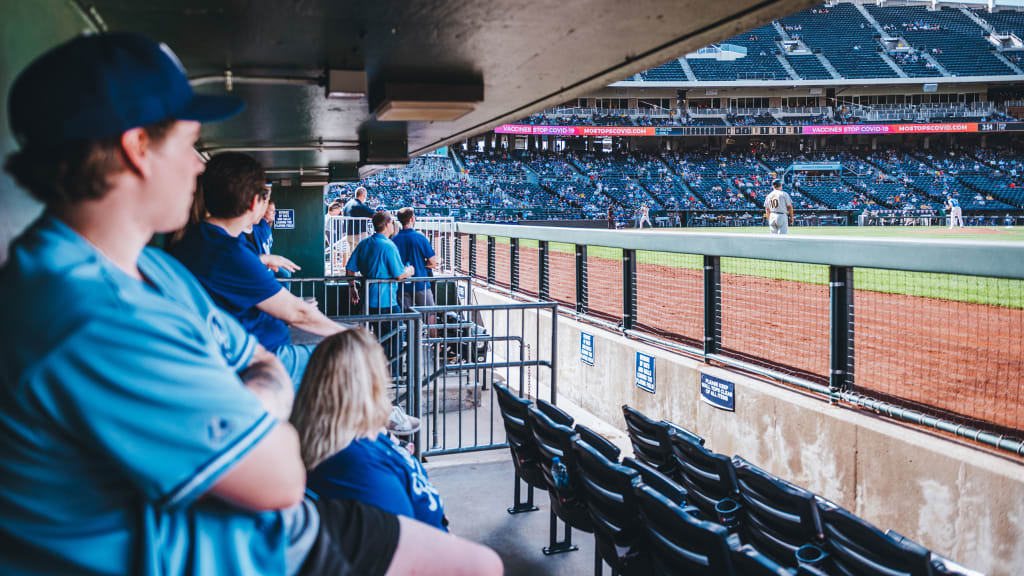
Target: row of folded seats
[679,508]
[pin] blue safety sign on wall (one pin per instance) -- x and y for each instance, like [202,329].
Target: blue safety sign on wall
[462,293]
[645,372]
[587,348]
[284,219]
[717,392]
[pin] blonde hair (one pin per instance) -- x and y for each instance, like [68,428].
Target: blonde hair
[343,396]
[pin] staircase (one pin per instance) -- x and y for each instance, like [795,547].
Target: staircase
[1006,61]
[828,66]
[690,76]
[892,64]
[988,28]
[789,67]
[782,31]
[874,23]
[658,201]
[934,62]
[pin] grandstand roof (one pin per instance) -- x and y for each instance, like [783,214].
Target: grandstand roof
[527,55]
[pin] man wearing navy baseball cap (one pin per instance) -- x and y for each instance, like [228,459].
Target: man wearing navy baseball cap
[142,430]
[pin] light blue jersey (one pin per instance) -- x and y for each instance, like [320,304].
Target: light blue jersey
[953,203]
[120,407]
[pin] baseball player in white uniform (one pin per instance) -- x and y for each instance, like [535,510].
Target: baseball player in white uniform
[644,217]
[956,214]
[778,209]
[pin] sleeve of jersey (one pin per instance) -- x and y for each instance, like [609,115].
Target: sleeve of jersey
[156,404]
[242,279]
[428,250]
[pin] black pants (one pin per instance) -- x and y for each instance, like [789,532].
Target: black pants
[354,539]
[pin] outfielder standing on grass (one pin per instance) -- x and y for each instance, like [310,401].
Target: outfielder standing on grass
[778,209]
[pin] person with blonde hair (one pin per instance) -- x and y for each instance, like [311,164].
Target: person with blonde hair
[340,413]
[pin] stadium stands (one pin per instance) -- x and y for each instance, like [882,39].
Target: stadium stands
[670,71]
[499,185]
[949,35]
[808,67]
[844,36]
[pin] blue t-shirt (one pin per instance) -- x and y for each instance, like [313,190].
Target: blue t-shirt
[377,257]
[121,406]
[381,473]
[415,250]
[235,277]
[954,203]
[263,235]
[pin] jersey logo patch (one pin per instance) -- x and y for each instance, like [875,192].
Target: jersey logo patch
[218,428]
[220,335]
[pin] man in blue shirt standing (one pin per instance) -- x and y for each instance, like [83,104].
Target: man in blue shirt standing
[416,251]
[217,252]
[143,431]
[377,258]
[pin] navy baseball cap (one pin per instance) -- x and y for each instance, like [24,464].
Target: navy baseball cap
[97,86]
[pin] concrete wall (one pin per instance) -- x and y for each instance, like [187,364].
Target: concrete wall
[962,502]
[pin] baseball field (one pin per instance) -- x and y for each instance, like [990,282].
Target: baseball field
[947,343]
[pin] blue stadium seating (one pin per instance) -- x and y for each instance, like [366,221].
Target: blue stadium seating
[808,67]
[844,36]
[670,71]
[955,41]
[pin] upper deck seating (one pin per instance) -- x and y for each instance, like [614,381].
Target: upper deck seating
[953,39]
[671,71]
[844,37]
[808,67]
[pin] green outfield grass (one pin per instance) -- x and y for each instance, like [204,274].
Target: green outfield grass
[971,289]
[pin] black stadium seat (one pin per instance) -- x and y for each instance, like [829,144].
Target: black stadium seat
[707,477]
[749,561]
[515,414]
[651,477]
[857,548]
[679,543]
[555,439]
[650,440]
[778,517]
[598,442]
[608,491]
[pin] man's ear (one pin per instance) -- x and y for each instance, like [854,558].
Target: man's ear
[135,151]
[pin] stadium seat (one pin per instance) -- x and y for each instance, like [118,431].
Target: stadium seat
[558,415]
[680,543]
[608,489]
[598,442]
[650,440]
[651,477]
[748,561]
[708,477]
[779,517]
[856,547]
[555,439]
[515,416]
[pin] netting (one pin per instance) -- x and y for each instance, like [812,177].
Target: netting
[529,282]
[562,273]
[503,262]
[670,295]
[776,314]
[955,343]
[604,282]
